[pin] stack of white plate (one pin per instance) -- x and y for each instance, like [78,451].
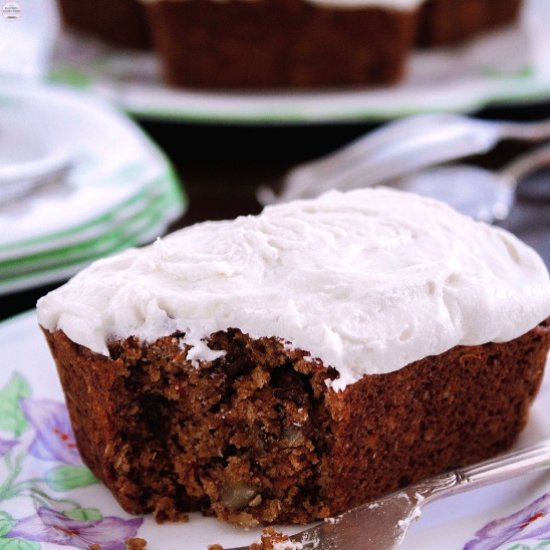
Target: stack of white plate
[110,188]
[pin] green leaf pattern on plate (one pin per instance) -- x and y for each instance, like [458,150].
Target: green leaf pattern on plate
[84,514]
[18,544]
[6,523]
[11,415]
[540,546]
[65,478]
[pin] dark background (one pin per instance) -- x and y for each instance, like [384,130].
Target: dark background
[221,167]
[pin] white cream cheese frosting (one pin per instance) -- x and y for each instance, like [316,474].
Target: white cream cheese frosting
[367,281]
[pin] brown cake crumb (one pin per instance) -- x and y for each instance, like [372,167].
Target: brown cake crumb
[215,547]
[270,538]
[163,516]
[136,543]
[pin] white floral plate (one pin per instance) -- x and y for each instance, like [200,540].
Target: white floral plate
[49,500]
[511,67]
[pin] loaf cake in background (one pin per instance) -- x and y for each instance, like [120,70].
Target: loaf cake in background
[121,23]
[309,43]
[287,366]
[447,22]
[249,44]
[282,43]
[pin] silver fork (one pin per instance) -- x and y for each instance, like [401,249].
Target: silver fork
[383,523]
[398,149]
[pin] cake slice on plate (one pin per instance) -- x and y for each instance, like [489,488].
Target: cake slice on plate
[287,366]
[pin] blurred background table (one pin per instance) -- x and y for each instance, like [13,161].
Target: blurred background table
[222,166]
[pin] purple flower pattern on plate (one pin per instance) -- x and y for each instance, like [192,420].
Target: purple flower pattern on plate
[54,438]
[53,441]
[48,525]
[531,522]
[6,445]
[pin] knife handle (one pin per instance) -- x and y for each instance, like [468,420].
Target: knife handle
[500,468]
[494,470]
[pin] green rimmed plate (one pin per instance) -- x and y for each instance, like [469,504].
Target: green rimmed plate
[143,229]
[121,190]
[164,190]
[131,229]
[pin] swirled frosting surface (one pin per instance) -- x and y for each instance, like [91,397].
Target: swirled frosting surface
[367,281]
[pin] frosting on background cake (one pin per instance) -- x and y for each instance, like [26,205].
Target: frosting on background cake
[367,281]
[401,5]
